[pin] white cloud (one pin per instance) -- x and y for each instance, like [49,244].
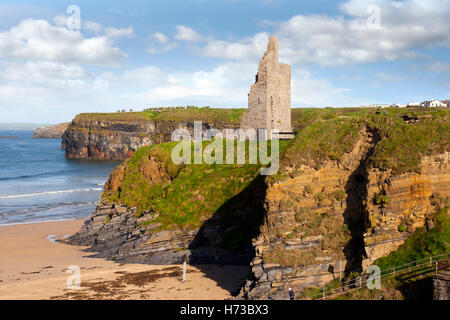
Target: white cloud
[109,32]
[147,76]
[310,91]
[160,37]
[386,77]
[248,49]
[226,85]
[38,40]
[42,91]
[42,63]
[61,20]
[112,32]
[187,34]
[439,67]
[405,26]
[97,28]
[163,44]
[61,91]
[43,74]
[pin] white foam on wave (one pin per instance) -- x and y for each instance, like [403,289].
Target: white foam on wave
[48,192]
[51,238]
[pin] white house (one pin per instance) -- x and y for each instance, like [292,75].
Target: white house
[433,103]
[414,104]
[399,105]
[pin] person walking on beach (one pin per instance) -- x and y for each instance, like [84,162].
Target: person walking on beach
[183,279]
[291,294]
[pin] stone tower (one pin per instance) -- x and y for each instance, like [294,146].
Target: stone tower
[269,100]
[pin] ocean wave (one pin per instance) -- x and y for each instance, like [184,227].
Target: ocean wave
[26,176]
[48,192]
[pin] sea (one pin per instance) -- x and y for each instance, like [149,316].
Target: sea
[38,184]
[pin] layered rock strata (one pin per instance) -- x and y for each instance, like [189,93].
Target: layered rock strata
[119,139]
[377,210]
[51,132]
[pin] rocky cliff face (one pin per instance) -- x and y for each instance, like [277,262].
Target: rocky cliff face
[340,218]
[117,232]
[51,132]
[119,139]
[317,220]
[398,205]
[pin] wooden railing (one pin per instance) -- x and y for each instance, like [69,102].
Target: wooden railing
[442,265]
[438,262]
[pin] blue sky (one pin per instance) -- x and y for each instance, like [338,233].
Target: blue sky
[137,54]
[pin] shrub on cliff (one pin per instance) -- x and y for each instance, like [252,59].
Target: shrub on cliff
[403,144]
[327,134]
[422,243]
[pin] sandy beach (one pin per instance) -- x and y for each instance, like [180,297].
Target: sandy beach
[32,266]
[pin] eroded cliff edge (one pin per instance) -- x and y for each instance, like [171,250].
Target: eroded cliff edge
[340,218]
[116,136]
[155,212]
[51,132]
[351,188]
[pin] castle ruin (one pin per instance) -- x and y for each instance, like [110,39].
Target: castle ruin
[269,100]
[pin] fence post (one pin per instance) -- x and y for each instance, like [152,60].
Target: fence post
[340,276]
[431,261]
[436,268]
[394,271]
[323,293]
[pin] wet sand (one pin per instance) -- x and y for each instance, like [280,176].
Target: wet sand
[34,267]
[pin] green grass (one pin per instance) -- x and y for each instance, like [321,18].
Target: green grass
[328,134]
[323,135]
[403,145]
[187,193]
[323,140]
[421,244]
[190,113]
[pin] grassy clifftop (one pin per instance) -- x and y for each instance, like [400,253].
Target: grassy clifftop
[301,117]
[184,195]
[205,114]
[405,135]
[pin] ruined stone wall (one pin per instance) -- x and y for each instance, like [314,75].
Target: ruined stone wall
[441,288]
[269,100]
